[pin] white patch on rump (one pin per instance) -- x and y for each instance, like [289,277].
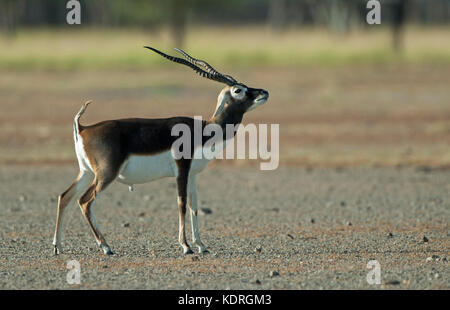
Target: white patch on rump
[83,160]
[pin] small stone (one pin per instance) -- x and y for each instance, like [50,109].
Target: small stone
[195,258]
[425,239]
[290,236]
[313,221]
[392,282]
[126,225]
[349,224]
[390,235]
[258,249]
[437,276]
[429,259]
[274,273]
[22,198]
[105,266]
[425,169]
[142,214]
[257,282]
[205,211]
[343,203]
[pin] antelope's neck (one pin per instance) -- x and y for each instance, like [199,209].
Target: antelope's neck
[225,114]
[227,117]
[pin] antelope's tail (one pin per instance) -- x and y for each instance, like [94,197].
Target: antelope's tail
[76,120]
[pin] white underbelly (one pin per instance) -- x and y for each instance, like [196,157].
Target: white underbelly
[139,169]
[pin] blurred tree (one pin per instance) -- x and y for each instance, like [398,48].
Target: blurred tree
[230,12]
[398,21]
[98,12]
[141,13]
[177,21]
[278,14]
[10,12]
[337,15]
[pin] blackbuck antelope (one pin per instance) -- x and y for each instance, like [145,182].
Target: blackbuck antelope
[135,151]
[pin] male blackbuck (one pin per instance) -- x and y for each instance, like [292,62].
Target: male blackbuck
[135,151]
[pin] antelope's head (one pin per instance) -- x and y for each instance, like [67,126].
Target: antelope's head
[234,97]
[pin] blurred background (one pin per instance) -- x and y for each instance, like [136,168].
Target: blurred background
[345,93]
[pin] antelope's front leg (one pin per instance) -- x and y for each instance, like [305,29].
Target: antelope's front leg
[182,195]
[192,203]
[182,231]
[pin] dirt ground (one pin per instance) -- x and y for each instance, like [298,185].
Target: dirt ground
[291,228]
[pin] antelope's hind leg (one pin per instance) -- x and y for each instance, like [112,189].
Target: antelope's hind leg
[86,202]
[66,198]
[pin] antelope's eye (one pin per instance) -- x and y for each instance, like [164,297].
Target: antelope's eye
[237,91]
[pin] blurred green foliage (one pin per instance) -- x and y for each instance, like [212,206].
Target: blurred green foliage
[237,32]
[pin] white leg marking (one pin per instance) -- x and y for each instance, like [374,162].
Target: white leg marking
[78,189]
[192,203]
[181,231]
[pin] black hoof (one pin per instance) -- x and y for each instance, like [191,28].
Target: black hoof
[106,250]
[189,251]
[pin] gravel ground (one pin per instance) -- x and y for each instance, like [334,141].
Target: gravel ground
[291,228]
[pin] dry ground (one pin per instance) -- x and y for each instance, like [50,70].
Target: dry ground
[318,228]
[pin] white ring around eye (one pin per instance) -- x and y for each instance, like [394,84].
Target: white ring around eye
[238,92]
